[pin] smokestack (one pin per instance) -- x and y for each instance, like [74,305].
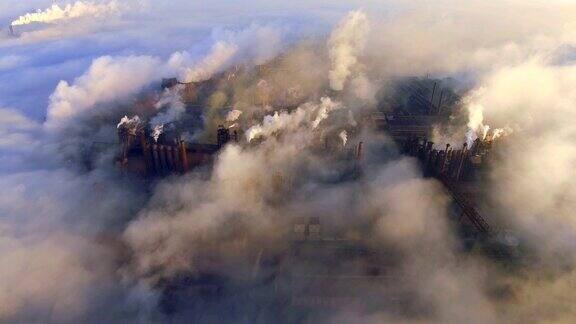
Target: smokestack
[176,158]
[163,160]
[440,102]
[445,160]
[146,153]
[359,151]
[432,98]
[156,159]
[11,29]
[463,155]
[184,156]
[223,136]
[169,160]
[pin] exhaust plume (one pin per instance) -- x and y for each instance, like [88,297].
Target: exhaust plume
[218,59]
[233,115]
[130,123]
[476,127]
[346,43]
[170,107]
[293,120]
[344,137]
[108,79]
[157,130]
[78,9]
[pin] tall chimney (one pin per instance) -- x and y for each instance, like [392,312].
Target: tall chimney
[169,160]
[359,151]
[440,102]
[432,98]
[223,136]
[156,159]
[163,160]
[184,156]
[11,29]
[463,155]
[146,153]
[445,160]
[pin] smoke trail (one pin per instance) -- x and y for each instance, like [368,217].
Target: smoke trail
[76,10]
[344,137]
[346,43]
[157,130]
[233,115]
[108,79]
[172,108]
[291,121]
[219,57]
[476,127]
[131,123]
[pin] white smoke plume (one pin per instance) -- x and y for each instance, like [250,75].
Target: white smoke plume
[254,45]
[344,137]
[218,59]
[157,130]
[130,123]
[476,127]
[233,115]
[172,105]
[78,9]
[107,80]
[276,122]
[308,113]
[346,44]
[533,178]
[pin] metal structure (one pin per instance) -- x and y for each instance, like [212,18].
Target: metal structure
[451,167]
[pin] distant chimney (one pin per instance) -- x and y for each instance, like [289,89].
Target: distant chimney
[223,136]
[440,102]
[184,156]
[11,29]
[156,159]
[433,92]
[463,155]
[359,151]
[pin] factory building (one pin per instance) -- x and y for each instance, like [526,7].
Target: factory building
[142,155]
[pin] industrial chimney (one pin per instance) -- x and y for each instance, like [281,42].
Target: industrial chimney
[223,136]
[359,151]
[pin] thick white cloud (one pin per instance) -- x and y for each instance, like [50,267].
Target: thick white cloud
[109,79]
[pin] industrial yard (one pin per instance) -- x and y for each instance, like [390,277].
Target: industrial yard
[287,162]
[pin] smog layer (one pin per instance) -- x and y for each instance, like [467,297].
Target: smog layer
[259,162]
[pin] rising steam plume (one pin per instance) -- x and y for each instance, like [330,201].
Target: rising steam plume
[346,43]
[74,10]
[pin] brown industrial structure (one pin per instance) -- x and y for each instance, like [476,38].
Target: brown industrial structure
[456,169]
[320,270]
[139,156]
